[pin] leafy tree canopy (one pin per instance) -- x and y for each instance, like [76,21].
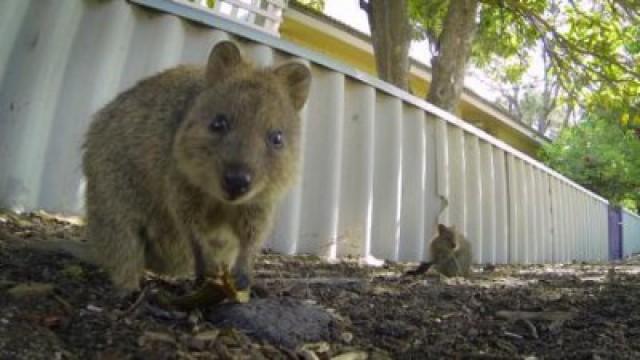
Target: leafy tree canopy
[592,47]
[601,155]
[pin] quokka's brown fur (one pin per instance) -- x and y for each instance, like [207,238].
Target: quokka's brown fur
[450,252]
[184,170]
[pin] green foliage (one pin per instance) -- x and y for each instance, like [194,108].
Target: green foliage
[601,155]
[500,32]
[208,3]
[592,48]
[426,18]
[597,59]
[591,55]
[317,5]
[505,34]
[633,46]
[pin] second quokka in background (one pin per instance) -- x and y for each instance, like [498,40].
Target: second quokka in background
[450,254]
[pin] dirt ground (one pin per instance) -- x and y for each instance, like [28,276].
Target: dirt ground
[53,306]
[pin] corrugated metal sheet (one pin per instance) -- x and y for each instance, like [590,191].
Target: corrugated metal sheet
[630,233]
[379,165]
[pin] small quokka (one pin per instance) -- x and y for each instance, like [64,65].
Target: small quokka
[450,254]
[185,169]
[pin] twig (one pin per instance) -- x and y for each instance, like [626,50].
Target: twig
[534,331]
[421,269]
[65,304]
[317,280]
[163,314]
[136,304]
[513,335]
[480,356]
[535,315]
[555,324]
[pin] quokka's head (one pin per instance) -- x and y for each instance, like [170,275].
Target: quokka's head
[446,235]
[240,138]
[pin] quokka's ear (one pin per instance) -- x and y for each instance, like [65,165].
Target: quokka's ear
[297,79]
[223,59]
[442,229]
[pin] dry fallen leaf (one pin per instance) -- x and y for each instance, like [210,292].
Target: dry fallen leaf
[213,291]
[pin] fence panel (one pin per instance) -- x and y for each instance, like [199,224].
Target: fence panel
[412,236]
[489,204]
[456,178]
[630,233]
[387,180]
[356,186]
[432,200]
[473,195]
[502,206]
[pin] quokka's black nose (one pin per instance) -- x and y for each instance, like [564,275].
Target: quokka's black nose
[237,181]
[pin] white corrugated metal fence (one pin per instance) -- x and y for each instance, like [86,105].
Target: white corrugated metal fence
[378,164]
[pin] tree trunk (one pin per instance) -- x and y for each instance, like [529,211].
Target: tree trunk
[391,37]
[454,48]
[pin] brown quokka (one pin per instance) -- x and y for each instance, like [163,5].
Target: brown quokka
[185,169]
[450,254]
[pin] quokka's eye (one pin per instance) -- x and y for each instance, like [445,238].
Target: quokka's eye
[219,124]
[276,139]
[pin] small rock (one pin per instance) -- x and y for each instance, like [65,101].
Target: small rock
[152,336]
[379,355]
[489,268]
[346,337]
[270,352]
[109,354]
[196,344]
[222,351]
[73,272]
[283,322]
[194,317]
[30,290]
[397,329]
[94,308]
[308,355]
[203,340]
[354,355]
[319,347]
[209,335]
[382,290]
[52,321]
[164,314]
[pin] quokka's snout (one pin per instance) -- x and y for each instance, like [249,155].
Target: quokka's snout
[236,180]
